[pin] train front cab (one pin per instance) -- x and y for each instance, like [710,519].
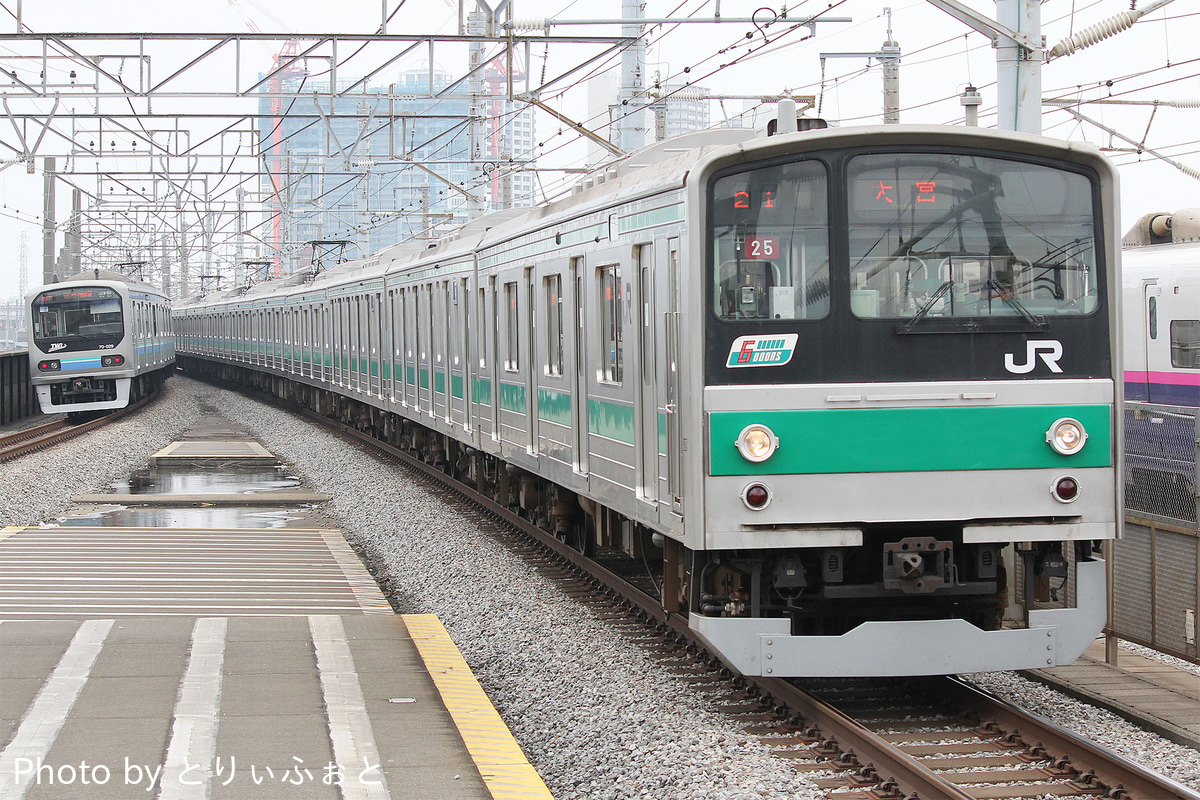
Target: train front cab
[81,358]
[911,444]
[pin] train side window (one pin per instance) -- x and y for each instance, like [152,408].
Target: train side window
[552,286]
[483,312]
[1153,311]
[1185,343]
[512,352]
[610,324]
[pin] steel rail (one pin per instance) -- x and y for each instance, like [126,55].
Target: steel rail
[869,748]
[1109,767]
[36,432]
[31,440]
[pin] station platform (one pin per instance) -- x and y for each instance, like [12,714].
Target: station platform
[1154,695]
[201,661]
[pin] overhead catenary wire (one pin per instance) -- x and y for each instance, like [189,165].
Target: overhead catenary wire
[738,57]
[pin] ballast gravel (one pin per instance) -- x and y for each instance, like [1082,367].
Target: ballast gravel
[594,714]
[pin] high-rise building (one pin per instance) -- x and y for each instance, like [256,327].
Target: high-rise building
[684,109]
[338,169]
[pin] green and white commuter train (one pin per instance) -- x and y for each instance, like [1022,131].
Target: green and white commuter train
[850,393]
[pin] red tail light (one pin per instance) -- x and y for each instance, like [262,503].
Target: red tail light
[756,496]
[1065,489]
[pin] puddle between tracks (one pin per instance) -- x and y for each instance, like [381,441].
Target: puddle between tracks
[196,480]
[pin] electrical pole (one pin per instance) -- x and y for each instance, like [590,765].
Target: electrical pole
[1019,70]
[631,128]
[477,25]
[1016,33]
[889,57]
[48,222]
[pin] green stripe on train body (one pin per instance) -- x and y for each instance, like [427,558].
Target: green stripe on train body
[613,420]
[816,442]
[512,397]
[554,407]
[481,391]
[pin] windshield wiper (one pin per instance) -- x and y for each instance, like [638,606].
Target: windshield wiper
[1015,304]
[971,323]
[924,310]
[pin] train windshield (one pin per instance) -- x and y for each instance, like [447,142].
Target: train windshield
[931,236]
[968,236]
[892,262]
[77,313]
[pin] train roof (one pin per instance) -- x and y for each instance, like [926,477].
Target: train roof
[101,277]
[1176,263]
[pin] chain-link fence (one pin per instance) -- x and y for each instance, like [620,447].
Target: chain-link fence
[1160,462]
[1156,592]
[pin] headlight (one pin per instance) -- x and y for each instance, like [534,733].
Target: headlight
[757,443]
[1066,436]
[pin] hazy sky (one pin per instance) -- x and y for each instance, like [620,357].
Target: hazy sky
[1155,60]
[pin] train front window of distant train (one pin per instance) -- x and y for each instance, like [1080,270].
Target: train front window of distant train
[770,241]
[937,235]
[77,314]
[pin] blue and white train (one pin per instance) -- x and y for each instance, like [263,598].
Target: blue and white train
[98,341]
[851,393]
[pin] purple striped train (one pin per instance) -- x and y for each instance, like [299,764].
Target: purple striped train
[1161,277]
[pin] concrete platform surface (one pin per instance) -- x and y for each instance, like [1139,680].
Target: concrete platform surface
[249,707]
[83,572]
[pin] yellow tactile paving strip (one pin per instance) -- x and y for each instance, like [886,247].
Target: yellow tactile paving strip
[505,770]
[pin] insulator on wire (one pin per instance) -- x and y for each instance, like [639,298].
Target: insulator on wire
[1186,103]
[542,24]
[1095,33]
[1189,171]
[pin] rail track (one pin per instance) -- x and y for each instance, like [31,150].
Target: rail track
[40,437]
[901,739]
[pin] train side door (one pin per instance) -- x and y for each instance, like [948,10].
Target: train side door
[647,396]
[493,333]
[579,375]
[671,405]
[374,338]
[460,362]
[389,349]
[1151,292]
[531,365]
